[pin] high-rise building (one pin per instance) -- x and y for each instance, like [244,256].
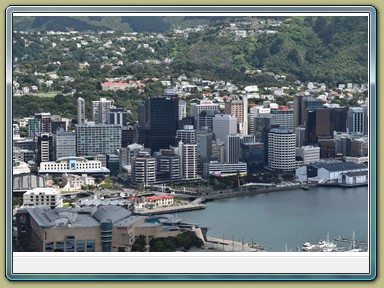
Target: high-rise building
[262,122]
[182,109]
[300,136]
[284,117]
[233,146]
[281,150]
[93,139]
[356,120]
[100,110]
[143,169]
[41,123]
[65,144]
[224,125]
[168,166]
[204,105]
[204,138]
[253,154]
[117,116]
[205,119]
[189,160]
[236,109]
[163,113]
[80,111]
[45,151]
[255,112]
[187,135]
[327,148]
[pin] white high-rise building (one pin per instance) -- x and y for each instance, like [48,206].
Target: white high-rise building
[281,150]
[224,125]
[80,111]
[143,169]
[100,110]
[189,160]
[182,109]
[187,135]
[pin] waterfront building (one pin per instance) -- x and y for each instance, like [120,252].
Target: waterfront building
[93,139]
[204,105]
[163,114]
[168,167]
[73,165]
[233,146]
[100,110]
[217,169]
[45,151]
[281,150]
[42,197]
[143,169]
[80,111]
[254,155]
[327,171]
[159,200]
[189,160]
[308,154]
[187,135]
[64,144]
[106,228]
[224,125]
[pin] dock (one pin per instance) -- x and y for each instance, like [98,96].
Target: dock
[231,245]
[346,240]
[169,209]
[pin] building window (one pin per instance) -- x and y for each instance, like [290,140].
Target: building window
[80,246]
[59,246]
[90,245]
[49,246]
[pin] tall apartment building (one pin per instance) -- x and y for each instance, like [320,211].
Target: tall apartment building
[45,150]
[187,135]
[100,110]
[93,139]
[143,169]
[189,160]
[80,111]
[281,150]
[224,125]
[168,166]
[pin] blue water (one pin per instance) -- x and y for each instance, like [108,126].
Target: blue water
[287,219]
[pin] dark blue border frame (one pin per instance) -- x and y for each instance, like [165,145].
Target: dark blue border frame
[189,9]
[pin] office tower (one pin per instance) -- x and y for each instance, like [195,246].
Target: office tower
[80,111]
[133,151]
[164,113]
[366,118]
[189,158]
[261,122]
[187,135]
[204,138]
[113,164]
[339,118]
[144,115]
[65,144]
[253,113]
[245,115]
[284,117]
[93,139]
[143,169]
[41,123]
[324,123]
[186,121]
[45,150]
[224,125]
[128,135]
[300,136]
[233,146]
[254,155]
[100,110]
[218,151]
[301,105]
[205,119]
[281,150]
[356,120]
[168,166]
[327,148]
[204,105]
[117,116]
[236,109]
[359,147]
[123,157]
[182,109]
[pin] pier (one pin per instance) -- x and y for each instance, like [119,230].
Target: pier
[346,240]
[169,209]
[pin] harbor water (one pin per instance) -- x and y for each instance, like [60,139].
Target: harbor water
[283,221]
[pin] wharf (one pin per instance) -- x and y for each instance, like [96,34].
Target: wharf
[231,245]
[169,209]
[346,240]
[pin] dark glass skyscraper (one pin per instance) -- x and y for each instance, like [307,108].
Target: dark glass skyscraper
[163,115]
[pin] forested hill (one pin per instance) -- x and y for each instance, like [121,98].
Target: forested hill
[326,49]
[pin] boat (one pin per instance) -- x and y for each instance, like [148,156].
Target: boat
[304,187]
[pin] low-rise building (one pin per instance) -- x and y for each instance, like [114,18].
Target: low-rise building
[73,165]
[43,197]
[214,168]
